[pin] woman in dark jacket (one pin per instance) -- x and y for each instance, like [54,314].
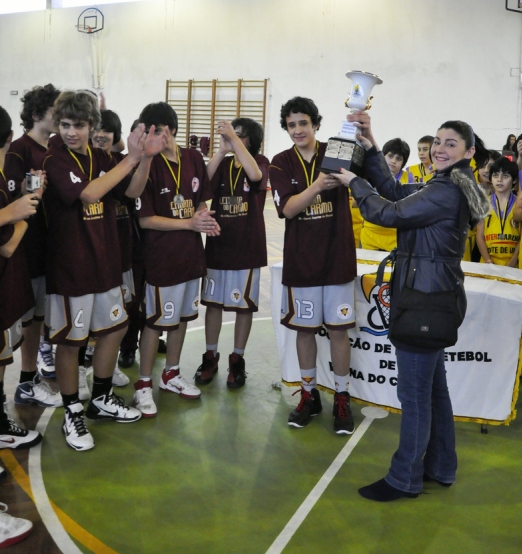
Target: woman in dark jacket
[438,214]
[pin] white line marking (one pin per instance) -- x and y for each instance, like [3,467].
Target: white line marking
[41,500]
[291,527]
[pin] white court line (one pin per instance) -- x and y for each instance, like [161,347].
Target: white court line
[309,502]
[41,500]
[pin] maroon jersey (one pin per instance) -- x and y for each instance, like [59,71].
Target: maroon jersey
[319,247]
[16,292]
[242,243]
[174,257]
[25,154]
[84,252]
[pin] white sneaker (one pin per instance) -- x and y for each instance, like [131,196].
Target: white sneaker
[40,394]
[76,433]
[45,361]
[143,398]
[111,406]
[12,529]
[172,381]
[14,437]
[119,379]
[84,392]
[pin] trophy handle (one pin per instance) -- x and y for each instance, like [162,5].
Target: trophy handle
[346,102]
[369,103]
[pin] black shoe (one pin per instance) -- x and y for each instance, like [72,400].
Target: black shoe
[209,366]
[126,359]
[426,477]
[309,406]
[381,491]
[162,347]
[236,371]
[343,422]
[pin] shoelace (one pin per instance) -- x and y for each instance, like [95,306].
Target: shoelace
[79,423]
[46,387]
[305,397]
[342,402]
[116,400]
[182,381]
[47,356]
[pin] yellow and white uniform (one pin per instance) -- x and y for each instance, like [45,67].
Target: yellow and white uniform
[419,174]
[502,235]
[375,237]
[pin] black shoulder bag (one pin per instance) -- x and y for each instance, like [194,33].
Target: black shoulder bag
[425,319]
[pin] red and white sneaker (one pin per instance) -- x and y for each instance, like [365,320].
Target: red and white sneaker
[12,529]
[143,398]
[172,381]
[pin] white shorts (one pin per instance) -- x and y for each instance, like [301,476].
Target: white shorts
[71,319]
[37,313]
[10,340]
[165,307]
[307,308]
[231,290]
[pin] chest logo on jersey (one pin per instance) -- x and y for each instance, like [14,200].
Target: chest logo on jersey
[185,210]
[74,179]
[164,191]
[195,184]
[233,205]
[319,209]
[92,211]
[246,186]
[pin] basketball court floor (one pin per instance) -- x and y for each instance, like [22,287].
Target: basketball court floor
[225,474]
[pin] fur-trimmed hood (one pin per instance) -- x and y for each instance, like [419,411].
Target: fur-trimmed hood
[478,201]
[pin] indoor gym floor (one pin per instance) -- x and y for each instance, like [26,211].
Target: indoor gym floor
[226,474]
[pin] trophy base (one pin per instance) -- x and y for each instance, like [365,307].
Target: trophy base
[346,153]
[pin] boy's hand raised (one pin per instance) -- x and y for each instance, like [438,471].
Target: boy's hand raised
[154,144]
[136,142]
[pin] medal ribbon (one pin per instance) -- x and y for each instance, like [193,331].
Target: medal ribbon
[3,175]
[80,165]
[233,186]
[176,181]
[309,178]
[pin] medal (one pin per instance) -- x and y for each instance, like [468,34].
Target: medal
[178,199]
[234,200]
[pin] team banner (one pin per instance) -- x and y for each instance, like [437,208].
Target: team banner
[483,367]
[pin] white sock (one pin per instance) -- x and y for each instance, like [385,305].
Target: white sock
[308,380]
[239,351]
[174,367]
[341,382]
[144,378]
[213,347]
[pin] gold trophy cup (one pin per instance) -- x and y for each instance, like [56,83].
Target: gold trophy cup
[345,150]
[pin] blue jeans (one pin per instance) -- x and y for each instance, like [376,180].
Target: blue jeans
[427,439]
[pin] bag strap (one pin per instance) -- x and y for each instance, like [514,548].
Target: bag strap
[390,258]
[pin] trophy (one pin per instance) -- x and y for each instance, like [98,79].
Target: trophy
[345,150]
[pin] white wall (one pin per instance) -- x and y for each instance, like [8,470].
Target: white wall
[439,60]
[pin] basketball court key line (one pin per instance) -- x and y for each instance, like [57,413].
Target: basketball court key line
[297,519]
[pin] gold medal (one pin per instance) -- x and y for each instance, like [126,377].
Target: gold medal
[178,199]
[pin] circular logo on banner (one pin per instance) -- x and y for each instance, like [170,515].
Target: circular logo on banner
[195,303]
[344,311]
[235,296]
[116,312]
[195,184]
[246,186]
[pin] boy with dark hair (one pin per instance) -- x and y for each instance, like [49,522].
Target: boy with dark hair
[16,295]
[498,236]
[173,213]
[25,156]
[319,260]
[234,258]
[84,293]
[422,172]
[374,237]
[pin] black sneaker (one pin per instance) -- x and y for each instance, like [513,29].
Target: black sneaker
[111,406]
[309,406]
[236,371]
[126,358]
[209,366]
[343,422]
[162,347]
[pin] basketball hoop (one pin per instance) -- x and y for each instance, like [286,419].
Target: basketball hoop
[90,21]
